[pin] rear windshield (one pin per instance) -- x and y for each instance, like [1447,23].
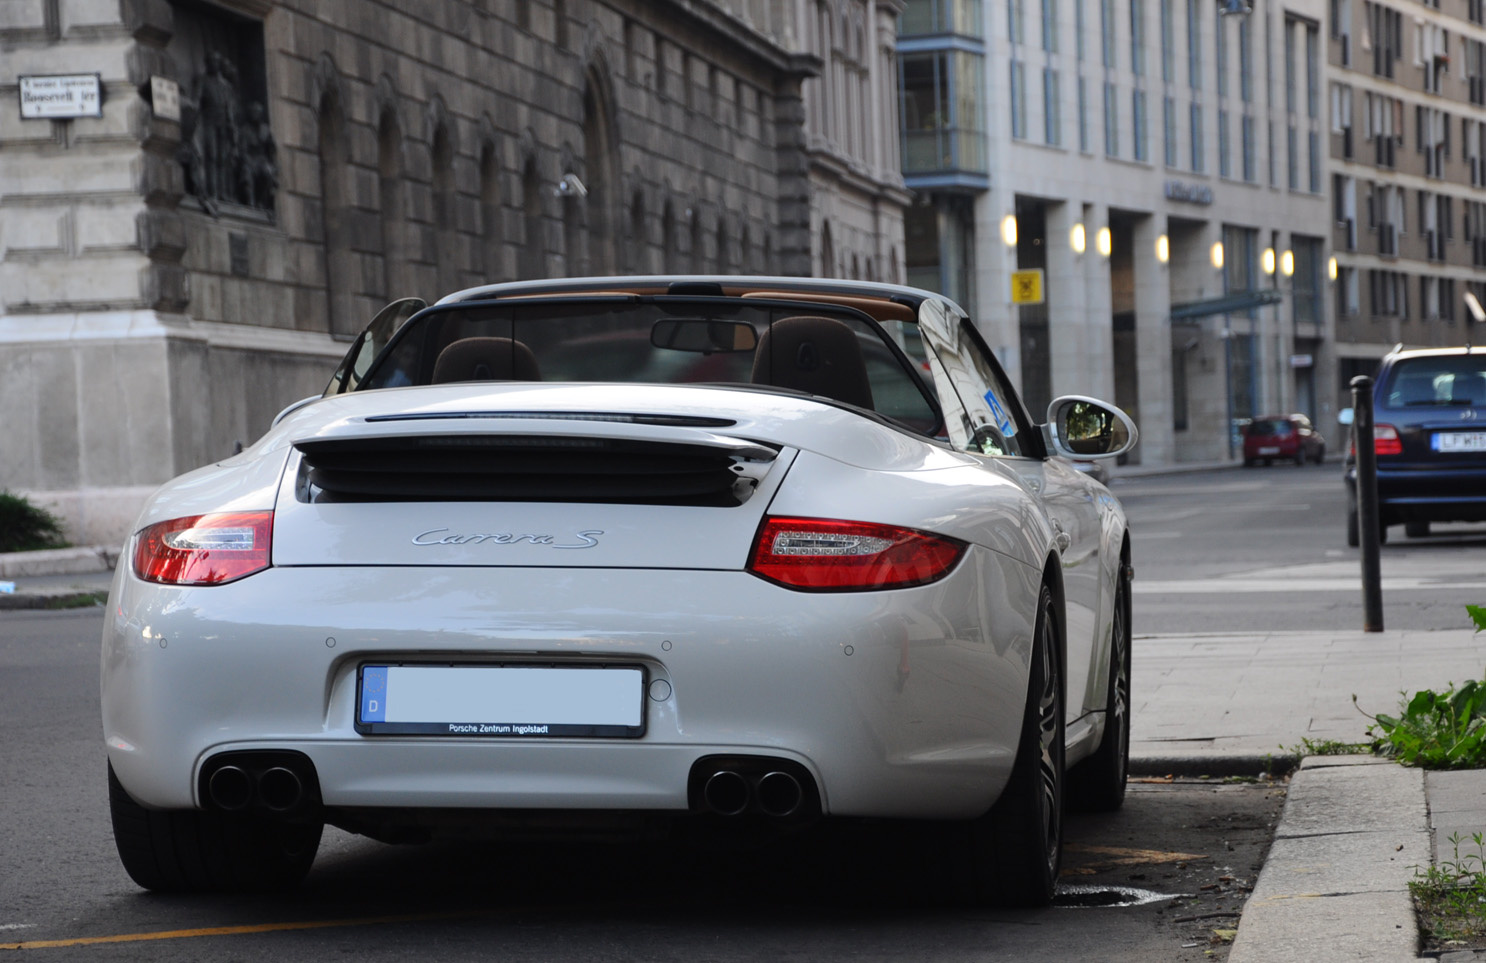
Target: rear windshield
[816,348]
[1262,426]
[1455,381]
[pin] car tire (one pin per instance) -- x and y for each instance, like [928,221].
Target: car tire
[1248,463]
[1300,457]
[191,851]
[1416,529]
[1098,783]
[1013,852]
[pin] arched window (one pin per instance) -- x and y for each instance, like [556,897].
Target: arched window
[827,253]
[638,248]
[574,258]
[396,277]
[492,246]
[745,253]
[599,154]
[697,265]
[533,241]
[450,269]
[340,260]
[724,262]
[669,259]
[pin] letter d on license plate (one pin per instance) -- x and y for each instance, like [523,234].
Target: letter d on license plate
[507,701]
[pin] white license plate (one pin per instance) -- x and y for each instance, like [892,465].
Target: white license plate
[1269,450]
[505,701]
[1458,441]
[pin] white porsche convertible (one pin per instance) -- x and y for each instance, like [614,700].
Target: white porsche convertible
[745,551]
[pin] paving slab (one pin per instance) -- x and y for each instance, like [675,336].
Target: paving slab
[1335,884]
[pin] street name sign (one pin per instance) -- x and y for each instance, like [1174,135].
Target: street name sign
[61,96]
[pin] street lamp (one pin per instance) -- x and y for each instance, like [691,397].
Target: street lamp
[1103,242]
[1076,238]
[1216,255]
[1008,230]
[1163,248]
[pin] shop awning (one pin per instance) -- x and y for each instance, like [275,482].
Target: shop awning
[1236,303]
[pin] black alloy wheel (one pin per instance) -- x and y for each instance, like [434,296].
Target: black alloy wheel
[1014,851]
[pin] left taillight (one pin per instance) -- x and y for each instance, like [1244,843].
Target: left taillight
[204,549]
[831,555]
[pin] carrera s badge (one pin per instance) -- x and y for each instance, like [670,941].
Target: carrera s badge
[442,536]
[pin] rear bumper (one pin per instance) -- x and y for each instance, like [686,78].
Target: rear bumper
[1426,494]
[904,703]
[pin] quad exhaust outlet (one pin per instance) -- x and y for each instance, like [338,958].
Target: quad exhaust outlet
[281,783]
[735,786]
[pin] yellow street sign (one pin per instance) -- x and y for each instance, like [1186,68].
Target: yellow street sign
[1026,286]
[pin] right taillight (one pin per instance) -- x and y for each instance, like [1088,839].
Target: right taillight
[831,555]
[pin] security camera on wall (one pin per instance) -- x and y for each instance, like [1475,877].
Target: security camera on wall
[570,186]
[1234,8]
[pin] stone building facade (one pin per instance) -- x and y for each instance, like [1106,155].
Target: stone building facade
[1151,170]
[171,278]
[1407,91]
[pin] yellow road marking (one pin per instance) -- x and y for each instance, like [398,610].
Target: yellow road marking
[227,931]
[1121,856]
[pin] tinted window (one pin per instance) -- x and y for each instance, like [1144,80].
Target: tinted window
[667,340]
[1458,380]
[1262,426]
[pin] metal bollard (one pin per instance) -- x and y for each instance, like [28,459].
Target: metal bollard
[1368,531]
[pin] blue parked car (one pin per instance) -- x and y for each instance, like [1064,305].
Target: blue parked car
[1429,414]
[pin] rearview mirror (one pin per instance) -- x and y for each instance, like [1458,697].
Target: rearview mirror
[703,335]
[1080,427]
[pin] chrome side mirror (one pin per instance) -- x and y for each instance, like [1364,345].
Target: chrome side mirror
[1344,417]
[1080,427]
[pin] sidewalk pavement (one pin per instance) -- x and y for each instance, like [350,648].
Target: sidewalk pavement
[1354,828]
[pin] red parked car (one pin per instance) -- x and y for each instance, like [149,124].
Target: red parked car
[1289,437]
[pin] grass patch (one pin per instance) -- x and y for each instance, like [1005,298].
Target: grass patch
[1330,747]
[82,600]
[1450,896]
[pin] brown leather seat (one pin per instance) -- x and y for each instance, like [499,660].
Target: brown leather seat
[486,359]
[818,355]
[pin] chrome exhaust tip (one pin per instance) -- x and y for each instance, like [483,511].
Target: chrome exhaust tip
[280,789]
[726,793]
[231,788]
[779,794]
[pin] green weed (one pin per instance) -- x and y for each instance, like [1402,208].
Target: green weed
[1450,896]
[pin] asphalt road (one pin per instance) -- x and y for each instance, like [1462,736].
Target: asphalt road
[1264,549]
[853,893]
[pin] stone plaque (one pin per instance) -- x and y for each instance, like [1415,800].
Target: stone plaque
[165,96]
